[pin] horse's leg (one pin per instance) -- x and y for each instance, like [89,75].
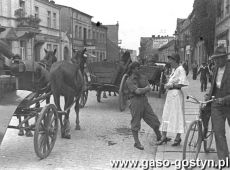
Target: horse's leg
[57,103]
[68,101]
[77,114]
[114,94]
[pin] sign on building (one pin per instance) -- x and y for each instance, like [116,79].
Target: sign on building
[222,42]
[157,43]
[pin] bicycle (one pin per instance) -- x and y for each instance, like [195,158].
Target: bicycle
[196,134]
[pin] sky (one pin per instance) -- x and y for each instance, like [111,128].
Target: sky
[137,18]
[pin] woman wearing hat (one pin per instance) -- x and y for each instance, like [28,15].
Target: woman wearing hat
[138,86]
[173,120]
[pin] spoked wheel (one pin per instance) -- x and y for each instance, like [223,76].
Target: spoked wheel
[192,142]
[46,131]
[208,138]
[84,95]
[122,96]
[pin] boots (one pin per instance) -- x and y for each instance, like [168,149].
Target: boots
[136,139]
[158,134]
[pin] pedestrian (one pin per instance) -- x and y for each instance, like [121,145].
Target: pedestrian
[194,70]
[185,65]
[204,72]
[173,119]
[220,108]
[138,86]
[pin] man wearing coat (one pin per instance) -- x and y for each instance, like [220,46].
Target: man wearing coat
[220,107]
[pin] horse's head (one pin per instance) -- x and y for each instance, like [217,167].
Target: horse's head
[80,58]
[50,57]
[126,57]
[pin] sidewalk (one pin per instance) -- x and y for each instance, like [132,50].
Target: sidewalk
[167,152]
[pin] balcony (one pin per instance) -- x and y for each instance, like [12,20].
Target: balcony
[26,21]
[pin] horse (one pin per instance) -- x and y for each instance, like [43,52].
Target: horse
[66,79]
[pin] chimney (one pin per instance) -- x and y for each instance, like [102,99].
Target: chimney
[52,2]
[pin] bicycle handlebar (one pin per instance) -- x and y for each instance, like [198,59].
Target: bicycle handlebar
[201,102]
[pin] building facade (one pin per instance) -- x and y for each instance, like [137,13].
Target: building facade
[166,50]
[113,49]
[222,24]
[31,26]
[99,38]
[78,26]
[149,46]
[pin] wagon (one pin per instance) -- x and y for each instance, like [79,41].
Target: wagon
[105,76]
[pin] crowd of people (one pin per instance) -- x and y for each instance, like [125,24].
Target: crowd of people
[173,117]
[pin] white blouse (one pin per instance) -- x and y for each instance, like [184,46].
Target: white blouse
[178,76]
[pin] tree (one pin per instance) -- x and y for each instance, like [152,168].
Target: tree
[203,23]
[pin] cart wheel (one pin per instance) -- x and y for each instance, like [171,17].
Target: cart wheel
[99,96]
[84,95]
[193,140]
[46,131]
[122,96]
[209,138]
[161,85]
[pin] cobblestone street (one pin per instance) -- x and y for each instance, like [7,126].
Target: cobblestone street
[105,135]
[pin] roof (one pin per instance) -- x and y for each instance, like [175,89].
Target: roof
[75,10]
[170,43]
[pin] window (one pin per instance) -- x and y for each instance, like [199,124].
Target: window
[80,33]
[49,47]
[93,34]
[23,50]
[76,31]
[89,34]
[54,20]
[227,6]
[48,19]
[36,12]
[97,36]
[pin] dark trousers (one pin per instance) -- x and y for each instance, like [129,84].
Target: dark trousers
[203,86]
[140,108]
[219,115]
[194,73]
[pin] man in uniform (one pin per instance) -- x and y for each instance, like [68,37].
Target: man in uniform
[204,72]
[220,107]
[138,86]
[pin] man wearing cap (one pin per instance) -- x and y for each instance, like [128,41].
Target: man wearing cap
[138,86]
[204,72]
[220,107]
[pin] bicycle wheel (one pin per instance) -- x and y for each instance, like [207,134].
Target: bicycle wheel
[208,138]
[193,140]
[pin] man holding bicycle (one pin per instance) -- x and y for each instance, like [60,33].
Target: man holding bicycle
[220,107]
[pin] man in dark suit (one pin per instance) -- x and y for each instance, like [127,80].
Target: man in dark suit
[220,107]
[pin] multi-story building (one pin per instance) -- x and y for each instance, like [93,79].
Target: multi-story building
[149,46]
[32,25]
[166,50]
[50,36]
[99,36]
[113,49]
[78,26]
[183,39]
[222,35]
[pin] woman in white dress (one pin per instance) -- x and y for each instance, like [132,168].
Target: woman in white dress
[173,119]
